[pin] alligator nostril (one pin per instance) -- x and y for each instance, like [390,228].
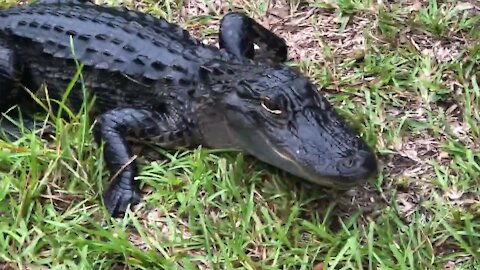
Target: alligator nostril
[360,163]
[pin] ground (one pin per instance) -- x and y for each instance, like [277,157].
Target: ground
[406,74]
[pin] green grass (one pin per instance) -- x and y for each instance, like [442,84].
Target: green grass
[206,209]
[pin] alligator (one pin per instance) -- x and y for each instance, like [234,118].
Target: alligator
[153,81]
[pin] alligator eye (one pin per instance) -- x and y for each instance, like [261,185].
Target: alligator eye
[271,106]
[349,162]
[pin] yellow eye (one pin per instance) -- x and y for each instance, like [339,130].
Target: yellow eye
[270,106]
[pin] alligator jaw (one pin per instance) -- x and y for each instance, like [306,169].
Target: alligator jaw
[261,147]
[343,182]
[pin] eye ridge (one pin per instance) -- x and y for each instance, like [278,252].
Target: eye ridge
[270,106]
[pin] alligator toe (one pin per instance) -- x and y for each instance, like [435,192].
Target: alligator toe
[117,200]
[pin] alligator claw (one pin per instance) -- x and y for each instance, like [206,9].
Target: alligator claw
[117,200]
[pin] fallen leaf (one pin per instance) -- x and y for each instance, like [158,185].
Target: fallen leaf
[416,6]
[318,266]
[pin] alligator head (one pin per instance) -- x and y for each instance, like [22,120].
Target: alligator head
[278,116]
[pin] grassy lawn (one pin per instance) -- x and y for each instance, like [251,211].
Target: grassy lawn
[406,73]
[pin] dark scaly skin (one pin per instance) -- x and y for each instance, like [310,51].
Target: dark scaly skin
[152,81]
[238,33]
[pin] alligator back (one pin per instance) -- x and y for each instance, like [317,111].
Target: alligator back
[116,47]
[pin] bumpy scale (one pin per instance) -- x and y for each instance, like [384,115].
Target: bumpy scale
[153,81]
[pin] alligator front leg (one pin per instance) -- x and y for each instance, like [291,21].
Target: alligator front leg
[11,94]
[239,32]
[113,128]
[9,74]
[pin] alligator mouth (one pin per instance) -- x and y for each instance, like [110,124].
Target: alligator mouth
[286,162]
[334,182]
[339,182]
[263,149]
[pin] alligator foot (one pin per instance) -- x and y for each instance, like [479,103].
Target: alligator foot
[239,32]
[12,125]
[11,131]
[9,73]
[118,198]
[112,128]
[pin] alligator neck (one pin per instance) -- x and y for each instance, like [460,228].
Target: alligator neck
[224,82]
